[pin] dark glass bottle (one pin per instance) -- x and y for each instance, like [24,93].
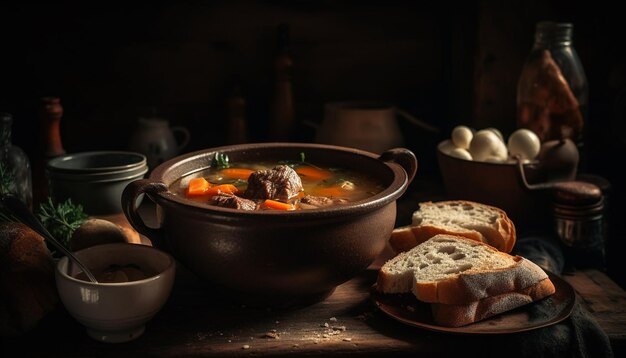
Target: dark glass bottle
[15,171]
[282,121]
[552,91]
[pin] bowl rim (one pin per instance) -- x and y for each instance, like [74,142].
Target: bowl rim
[390,193]
[104,177]
[55,165]
[148,249]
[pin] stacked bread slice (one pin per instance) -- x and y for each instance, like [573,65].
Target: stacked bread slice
[468,219]
[464,279]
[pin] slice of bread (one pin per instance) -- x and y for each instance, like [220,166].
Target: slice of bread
[455,270]
[461,315]
[469,219]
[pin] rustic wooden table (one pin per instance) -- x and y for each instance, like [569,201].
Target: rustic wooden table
[197,322]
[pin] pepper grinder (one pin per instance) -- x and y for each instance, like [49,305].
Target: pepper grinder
[51,146]
[237,127]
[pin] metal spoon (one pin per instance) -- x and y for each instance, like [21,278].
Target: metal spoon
[19,211]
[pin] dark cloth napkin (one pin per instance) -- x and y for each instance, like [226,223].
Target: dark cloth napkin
[578,336]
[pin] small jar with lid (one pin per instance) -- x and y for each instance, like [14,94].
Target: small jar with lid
[15,170]
[552,90]
[578,209]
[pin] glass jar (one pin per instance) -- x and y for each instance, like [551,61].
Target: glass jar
[552,91]
[15,172]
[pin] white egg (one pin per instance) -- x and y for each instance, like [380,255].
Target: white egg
[525,143]
[496,131]
[446,146]
[461,153]
[486,144]
[494,159]
[462,136]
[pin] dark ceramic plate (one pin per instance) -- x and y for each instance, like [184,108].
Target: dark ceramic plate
[551,310]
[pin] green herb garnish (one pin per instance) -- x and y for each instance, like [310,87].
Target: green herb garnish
[295,163]
[220,161]
[62,219]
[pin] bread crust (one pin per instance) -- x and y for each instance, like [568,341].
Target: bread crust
[502,234]
[461,315]
[471,286]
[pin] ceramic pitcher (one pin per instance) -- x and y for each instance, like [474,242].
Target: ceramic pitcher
[155,139]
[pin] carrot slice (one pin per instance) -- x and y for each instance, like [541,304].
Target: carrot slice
[198,186]
[219,189]
[236,173]
[313,173]
[334,191]
[277,205]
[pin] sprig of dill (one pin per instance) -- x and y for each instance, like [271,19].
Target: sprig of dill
[62,219]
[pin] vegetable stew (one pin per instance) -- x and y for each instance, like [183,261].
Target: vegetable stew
[275,185]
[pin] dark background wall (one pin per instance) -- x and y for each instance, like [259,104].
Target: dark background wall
[449,65]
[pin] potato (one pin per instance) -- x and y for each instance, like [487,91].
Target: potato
[96,232]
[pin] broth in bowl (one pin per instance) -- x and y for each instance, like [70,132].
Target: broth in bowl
[275,185]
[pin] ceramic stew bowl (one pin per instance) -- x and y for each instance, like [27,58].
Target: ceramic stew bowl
[274,256]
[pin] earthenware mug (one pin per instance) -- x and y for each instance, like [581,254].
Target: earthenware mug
[365,125]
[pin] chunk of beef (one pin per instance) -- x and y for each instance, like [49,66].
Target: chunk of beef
[233,201]
[311,202]
[280,183]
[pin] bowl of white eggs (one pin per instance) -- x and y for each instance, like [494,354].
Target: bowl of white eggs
[488,145]
[482,166]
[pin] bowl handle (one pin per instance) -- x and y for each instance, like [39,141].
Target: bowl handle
[129,201]
[405,158]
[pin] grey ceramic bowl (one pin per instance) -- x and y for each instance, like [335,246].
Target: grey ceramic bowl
[94,179]
[275,257]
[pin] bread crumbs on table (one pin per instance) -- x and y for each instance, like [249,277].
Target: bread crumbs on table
[347,339]
[333,319]
[272,334]
[246,346]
